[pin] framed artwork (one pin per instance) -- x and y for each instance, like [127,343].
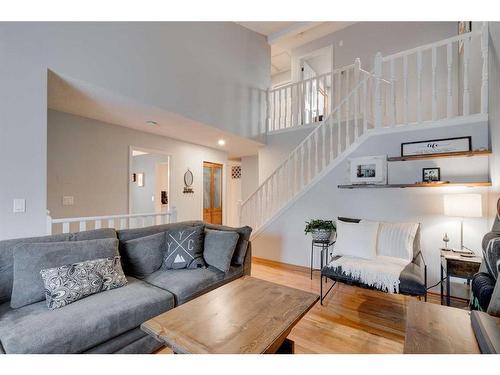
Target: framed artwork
[437,146]
[431,174]
[368,170]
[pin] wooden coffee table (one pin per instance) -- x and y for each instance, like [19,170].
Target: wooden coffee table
[436,329]
[248,315]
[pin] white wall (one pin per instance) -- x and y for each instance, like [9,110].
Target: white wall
[233,195]
[284,239]
[89,160]
[249,175]
[494,112]
[213,72]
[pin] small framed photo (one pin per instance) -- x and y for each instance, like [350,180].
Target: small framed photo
[368,170]
[431,174]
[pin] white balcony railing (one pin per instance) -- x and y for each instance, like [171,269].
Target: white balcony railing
[127,221]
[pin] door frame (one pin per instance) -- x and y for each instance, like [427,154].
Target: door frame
[222,189]
[131,148]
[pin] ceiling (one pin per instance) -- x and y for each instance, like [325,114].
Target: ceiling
[82,99]
[286,36]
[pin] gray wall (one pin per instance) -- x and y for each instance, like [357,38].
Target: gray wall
[212,72]
[249,175]
[88,159]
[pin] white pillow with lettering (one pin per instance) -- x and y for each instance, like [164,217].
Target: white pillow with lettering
[357,239]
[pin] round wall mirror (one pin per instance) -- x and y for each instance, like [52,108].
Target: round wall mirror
[188,178]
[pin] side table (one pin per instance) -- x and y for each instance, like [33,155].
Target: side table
[323,245]
[455,265]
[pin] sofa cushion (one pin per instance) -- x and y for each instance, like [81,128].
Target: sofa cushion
[357,239]
[31,258]
[184,248]
[7,253]
[142,256]
[242,246]
[72,282]
[185,284]
[83,324]
[219,248]
[396,240]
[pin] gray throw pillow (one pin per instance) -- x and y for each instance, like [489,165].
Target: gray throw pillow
[31,258]
[142,256]
[72,282]
[242,245]
[184,248]
[219,248]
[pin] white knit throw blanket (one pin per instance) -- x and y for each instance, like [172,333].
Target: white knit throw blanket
[381,273]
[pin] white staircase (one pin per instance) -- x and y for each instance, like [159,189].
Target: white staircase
[417,87]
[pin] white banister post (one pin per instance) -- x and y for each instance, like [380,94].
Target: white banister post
[378,98]
[484,80]
[173,214]
[268,111]
[357,70]
[49,223]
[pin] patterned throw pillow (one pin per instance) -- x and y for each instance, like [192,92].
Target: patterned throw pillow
[184,248]
[69,283]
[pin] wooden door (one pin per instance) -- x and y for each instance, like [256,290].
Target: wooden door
[212,193]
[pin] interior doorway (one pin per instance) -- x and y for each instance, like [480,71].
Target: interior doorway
[212,193]
[149,181]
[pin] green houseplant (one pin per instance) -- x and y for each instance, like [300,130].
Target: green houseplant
[321,230]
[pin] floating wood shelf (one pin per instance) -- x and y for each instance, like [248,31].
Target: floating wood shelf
[402,186]
[442,155]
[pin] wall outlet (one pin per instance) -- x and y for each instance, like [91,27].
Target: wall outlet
[68,200]
[19,205]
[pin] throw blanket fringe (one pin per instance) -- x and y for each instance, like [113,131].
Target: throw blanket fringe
[381,273]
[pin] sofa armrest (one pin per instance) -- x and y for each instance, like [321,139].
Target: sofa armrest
[247,264]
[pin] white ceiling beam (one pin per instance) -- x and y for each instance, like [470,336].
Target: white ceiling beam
[294,29]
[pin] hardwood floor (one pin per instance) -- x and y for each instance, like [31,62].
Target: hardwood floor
[351,320]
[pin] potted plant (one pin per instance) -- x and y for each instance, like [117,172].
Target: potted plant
[321,230]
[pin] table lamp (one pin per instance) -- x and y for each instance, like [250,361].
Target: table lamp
[462,206]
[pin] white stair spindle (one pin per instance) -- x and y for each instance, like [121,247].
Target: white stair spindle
[304,102]
[484,76]
[311,118]
[83,226]
[330,125]
[65,227]
[347,89]
[111,223]
[393,92]
[405,88]
[317,99]
[378,96]
[366,106]
[449,91]
[97,224]
[316,155]
[466,94]
[273,116]
[279,109]
[419,86]
[357,68]
[323,149]
[434,85]
[123,223]
[286,125]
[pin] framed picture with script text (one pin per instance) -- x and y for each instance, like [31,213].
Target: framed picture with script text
[437,146]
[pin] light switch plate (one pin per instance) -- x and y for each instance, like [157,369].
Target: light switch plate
[68,200]
[19,205]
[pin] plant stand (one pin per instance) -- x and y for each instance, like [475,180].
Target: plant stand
[323,245]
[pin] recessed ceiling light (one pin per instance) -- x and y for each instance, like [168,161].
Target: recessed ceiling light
[221,142]
[151,122]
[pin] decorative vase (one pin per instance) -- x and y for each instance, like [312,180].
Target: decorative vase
[322,235]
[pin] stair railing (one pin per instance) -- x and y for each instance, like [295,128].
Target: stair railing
[351,118]
[311,100]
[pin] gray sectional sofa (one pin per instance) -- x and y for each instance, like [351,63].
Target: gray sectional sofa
[107,322]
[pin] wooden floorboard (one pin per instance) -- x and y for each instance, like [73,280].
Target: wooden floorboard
[351,320]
